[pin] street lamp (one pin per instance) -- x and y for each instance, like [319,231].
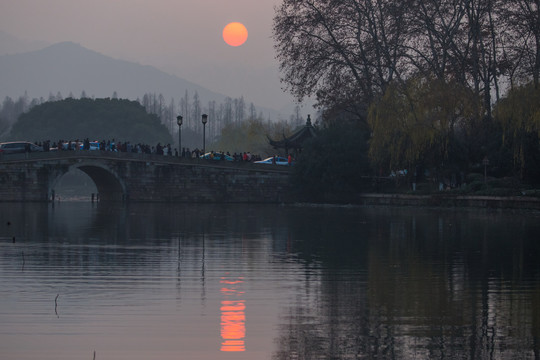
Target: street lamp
[179,119]
[204,121]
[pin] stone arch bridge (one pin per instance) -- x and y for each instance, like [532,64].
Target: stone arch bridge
[143,177]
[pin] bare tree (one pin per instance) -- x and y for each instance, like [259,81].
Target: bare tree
[214,123]
[228,111]
[522,50]
[252,111]
[239,109]
[196,110]
[171,116]
[185,110]
[344,52]
[457,40]
[432,45]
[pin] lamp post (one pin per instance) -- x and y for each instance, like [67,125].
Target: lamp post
[179,119]
[204,121]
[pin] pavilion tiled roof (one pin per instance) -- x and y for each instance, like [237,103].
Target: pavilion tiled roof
[296,140]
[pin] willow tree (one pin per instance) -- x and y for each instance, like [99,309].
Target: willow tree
[519,116]
[417,122]
[248,135]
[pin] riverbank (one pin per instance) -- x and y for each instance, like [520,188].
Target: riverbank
[450,200]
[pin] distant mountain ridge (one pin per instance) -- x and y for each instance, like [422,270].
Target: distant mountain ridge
[10,44]
[70,68]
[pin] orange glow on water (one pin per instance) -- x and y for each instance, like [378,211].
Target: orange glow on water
[233,345]
[233,317]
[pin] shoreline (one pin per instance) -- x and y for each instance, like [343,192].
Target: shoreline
[447,200]
[367,199]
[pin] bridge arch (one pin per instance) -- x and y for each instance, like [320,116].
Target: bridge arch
[109,184]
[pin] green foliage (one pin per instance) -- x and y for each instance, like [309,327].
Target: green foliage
[519,116]
[249,135]
[334,162]
[416,122]
[97,119]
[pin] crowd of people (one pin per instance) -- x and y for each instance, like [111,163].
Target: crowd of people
[128,147]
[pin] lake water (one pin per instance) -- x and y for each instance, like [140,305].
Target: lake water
[158,281]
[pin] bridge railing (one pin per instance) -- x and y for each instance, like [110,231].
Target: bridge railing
[125,156]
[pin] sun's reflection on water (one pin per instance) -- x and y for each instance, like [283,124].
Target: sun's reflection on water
[233,316]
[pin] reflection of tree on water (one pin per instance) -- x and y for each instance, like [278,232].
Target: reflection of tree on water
[417,285]
[378,283]
[99,229]
[23,219]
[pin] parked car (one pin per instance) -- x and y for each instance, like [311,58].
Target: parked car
[71,145]
[278,161]
[15,147]
[94,145]
[216,156]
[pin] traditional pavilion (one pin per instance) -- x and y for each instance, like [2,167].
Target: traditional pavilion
[296,140]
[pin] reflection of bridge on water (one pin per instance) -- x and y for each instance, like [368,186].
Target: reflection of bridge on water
[143,177]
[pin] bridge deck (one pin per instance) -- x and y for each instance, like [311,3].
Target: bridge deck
[139,157]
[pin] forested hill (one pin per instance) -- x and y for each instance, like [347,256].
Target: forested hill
[96,119]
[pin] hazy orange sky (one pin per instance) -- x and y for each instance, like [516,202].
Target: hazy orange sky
[180,37]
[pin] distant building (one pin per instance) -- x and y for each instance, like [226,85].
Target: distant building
[295,141]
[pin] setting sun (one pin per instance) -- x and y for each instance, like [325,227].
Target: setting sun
[235,34]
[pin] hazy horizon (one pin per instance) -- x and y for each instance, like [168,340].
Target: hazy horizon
[182,40]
